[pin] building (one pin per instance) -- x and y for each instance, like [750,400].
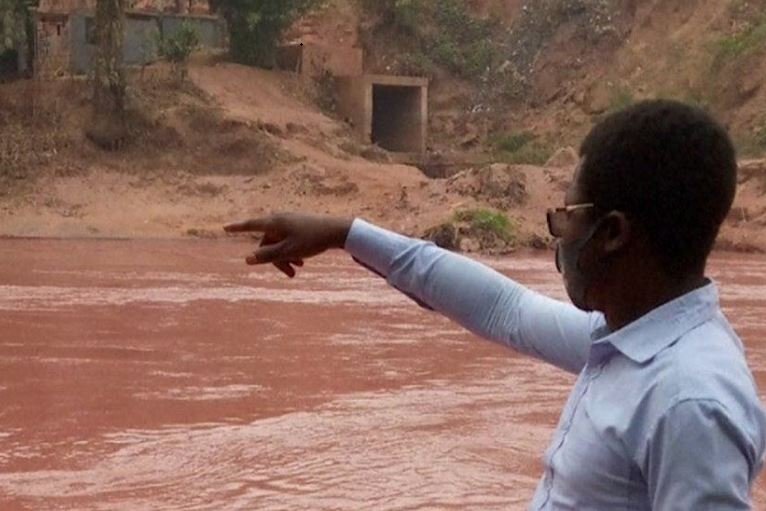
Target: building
[64,32]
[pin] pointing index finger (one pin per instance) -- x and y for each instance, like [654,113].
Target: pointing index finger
[252,225]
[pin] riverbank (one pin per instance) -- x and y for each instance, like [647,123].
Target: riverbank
[238,142]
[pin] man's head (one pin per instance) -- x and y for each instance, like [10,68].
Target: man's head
[661,178]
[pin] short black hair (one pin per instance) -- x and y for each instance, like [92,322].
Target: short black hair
[669,166]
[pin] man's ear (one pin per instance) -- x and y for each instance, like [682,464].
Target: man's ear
[617,232]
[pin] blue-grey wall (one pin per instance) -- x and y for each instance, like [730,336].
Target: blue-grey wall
[141,33]
[210,31]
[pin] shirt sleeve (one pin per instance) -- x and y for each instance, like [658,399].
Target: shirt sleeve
[697,458]
[477,297]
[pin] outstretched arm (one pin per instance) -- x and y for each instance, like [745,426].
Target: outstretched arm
[475,296]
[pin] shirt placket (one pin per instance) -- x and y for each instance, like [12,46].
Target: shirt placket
[591,371]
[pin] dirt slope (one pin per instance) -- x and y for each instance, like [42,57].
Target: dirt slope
[169,192]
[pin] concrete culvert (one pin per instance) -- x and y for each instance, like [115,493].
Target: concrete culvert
[396,118]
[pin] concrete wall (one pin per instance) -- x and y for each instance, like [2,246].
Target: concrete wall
[140,44]
[52,50]
[355,104]
[141,32]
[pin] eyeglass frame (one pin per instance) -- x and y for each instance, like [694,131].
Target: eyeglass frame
[549,215]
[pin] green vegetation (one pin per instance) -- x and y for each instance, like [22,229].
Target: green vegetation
[513,142]
[255,26]
[325,93]
[13,14]
[488,222]
[752,144]
[177,48]
[696,99]
[521,148]
[621,99]
[742,43]
[440,33]
[15,25]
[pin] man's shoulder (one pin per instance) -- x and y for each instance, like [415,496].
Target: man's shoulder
[708,364]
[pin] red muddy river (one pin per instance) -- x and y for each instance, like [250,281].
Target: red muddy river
[146,375]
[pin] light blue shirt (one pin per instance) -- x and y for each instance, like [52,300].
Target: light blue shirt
[665,413]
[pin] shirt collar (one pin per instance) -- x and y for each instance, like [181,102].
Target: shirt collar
[645,337]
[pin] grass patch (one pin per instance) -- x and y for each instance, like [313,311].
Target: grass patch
[752,144]
[620,99]
[521,148]
[488,222]
[743,43]
[513,142]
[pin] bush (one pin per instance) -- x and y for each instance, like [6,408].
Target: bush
[488,222]
[255,26]
[402,15]
[521,148]
[417,63]
[441,32]
[463,42]
[325,93]
[512,142]
[178,47]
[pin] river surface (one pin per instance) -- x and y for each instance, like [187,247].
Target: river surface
[152,375]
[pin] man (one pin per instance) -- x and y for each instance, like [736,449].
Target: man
[665,412]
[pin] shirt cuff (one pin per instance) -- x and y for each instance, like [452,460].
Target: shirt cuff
[374,246]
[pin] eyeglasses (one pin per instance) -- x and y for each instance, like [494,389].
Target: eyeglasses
[558,218]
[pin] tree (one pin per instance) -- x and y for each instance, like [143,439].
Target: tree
[108,128]
[255,26]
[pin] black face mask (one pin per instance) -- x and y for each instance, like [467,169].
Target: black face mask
[568,264]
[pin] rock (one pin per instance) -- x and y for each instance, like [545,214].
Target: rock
[564,157]
[375,153]
[737,245]
[272,129]
[749,169]
[598,98]
[471,136]
[202,233]
[444,236]
[469,140]
[538,242]
[470,245]
[293,128]
[502,186]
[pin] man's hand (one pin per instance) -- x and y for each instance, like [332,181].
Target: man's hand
[289,238]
